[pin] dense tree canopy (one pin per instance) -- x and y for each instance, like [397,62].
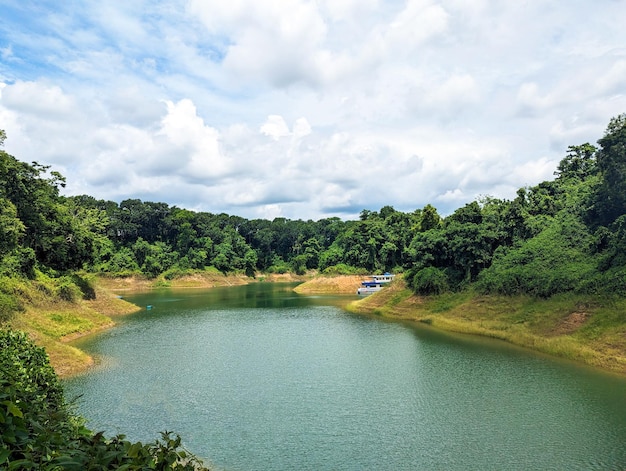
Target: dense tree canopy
[571,229]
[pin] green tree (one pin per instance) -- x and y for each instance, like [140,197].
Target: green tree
[430,218]
[332,256]
[610,200]
[429,281]
[153,259]
[555,261]
[11,228]
[312,249]
[579,163]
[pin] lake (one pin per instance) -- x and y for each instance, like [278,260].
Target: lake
[258,377]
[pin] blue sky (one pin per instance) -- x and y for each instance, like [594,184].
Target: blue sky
[307,109]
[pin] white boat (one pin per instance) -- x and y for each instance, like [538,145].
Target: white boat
[375,283]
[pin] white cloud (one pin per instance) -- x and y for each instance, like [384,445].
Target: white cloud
[420,21]
[275,127]
[614,80]
[38,99]
[273,41]
[347,10]
[308,109]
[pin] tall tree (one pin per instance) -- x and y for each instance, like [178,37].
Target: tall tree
[580,162]
[611,161]
[11,228]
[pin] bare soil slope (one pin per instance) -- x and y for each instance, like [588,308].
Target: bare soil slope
[343,284]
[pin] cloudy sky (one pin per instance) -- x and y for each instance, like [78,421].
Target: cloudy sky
[307,108]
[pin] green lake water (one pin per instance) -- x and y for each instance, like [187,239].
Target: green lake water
[260,378]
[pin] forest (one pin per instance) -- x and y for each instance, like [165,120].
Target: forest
[563,235]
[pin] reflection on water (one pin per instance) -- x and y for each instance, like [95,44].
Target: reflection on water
[258,377]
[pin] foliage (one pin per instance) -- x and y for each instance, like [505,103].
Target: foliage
[429,281]
[579,163]
[555,261]
[502,245]
[40,432]
[278,266]
[67,290]
[343,269]
[610,201]
[11,227]
[9,305]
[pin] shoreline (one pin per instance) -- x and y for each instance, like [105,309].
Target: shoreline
[557,327]
[561,327]
[89,317]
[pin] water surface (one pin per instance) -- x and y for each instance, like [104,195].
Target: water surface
[260,378]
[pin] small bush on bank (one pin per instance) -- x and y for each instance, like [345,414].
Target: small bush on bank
[430,280]
[85,283]
[279,269]
[40,432]
[9,298]
[9,306]
[67,290]
[176,272]
[20,261]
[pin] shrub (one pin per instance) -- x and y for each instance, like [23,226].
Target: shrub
[612,282]
[9,306]
[176,272]
[430,280]
[211,270]
[298,264]
[343,269]
[20,261]
[279,269]
[10,295]
[67,290]
[555,261]
[40,432]
[85,284]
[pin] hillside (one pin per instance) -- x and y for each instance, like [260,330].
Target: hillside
[590,330]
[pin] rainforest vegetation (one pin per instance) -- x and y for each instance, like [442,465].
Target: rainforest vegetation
[563,236]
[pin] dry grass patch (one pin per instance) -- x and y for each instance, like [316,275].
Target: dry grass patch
[342,284]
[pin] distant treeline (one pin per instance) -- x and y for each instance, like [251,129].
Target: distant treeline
[567,234]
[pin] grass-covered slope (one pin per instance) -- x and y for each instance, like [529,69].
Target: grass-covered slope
[54,311]
[587,329]
[340,284]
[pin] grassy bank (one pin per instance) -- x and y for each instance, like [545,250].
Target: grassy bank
[201,279]
[53,321]
[587,330]
[340,284]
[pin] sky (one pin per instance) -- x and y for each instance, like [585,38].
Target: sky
[307,109]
